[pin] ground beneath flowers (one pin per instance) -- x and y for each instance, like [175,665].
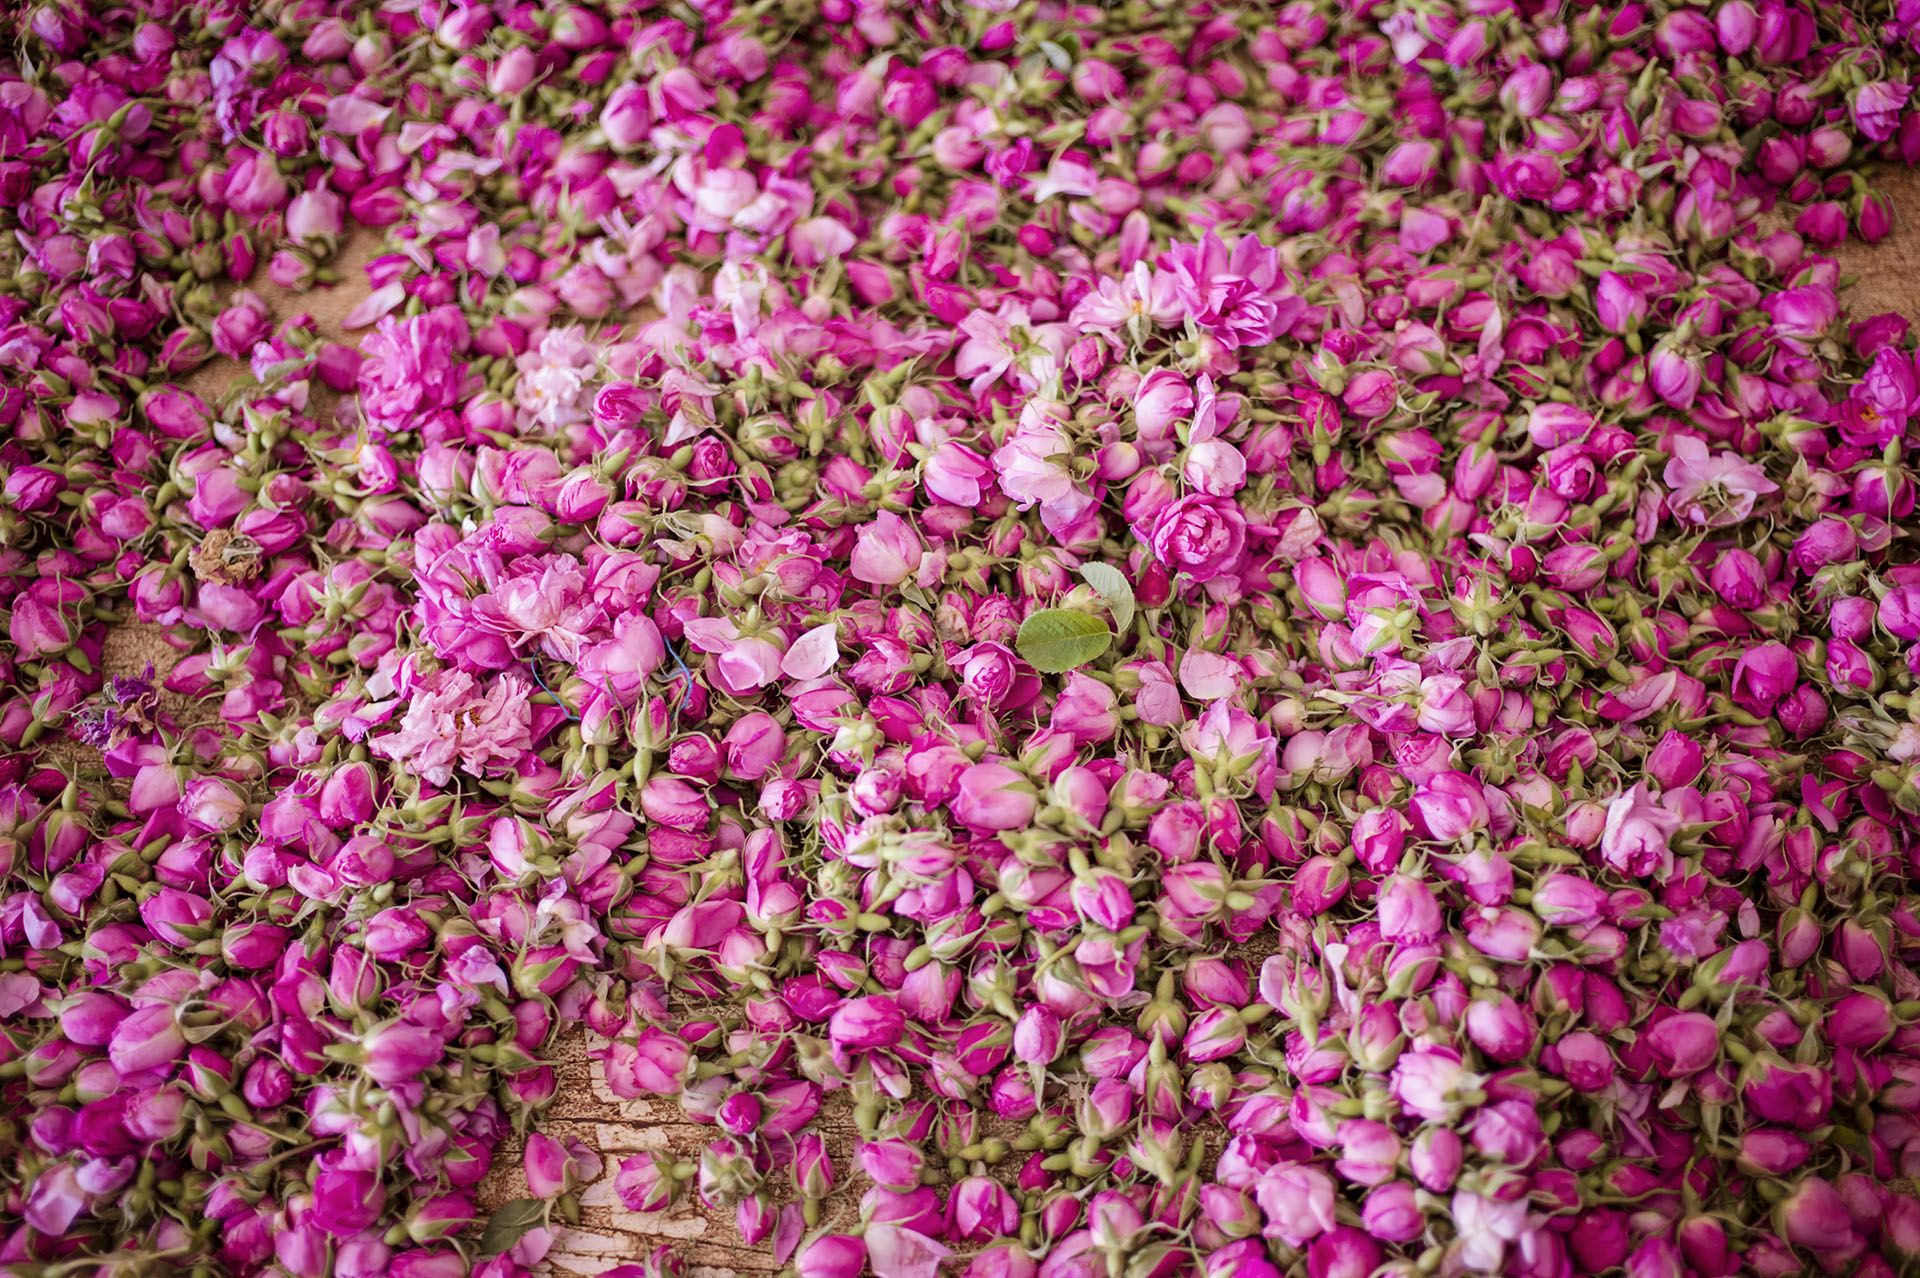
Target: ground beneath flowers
[1885,277]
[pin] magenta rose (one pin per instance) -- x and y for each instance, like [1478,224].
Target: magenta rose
[1200,536]
[1877,107]
[413,368]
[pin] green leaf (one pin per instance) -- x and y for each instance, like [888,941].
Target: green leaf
[510,1222]
[1055,640]
[1112,586]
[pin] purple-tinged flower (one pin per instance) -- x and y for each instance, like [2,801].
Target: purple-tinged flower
[832,1256]
[412,369]
[863,1024]
[992,796]
[1199,536]
[1877,106]
[1713,492]
[1635,841]
[1392,1213]
[1763,675]
[1814,1216]
[1298,1202]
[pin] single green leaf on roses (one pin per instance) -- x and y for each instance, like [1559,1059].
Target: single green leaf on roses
[1056,640]
[509,1224]
[1112,586]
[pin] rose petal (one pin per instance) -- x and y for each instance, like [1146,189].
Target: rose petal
[813,653]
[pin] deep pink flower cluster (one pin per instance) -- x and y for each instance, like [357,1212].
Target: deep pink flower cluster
[1268,639]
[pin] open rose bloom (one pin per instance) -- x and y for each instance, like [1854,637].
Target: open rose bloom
[1183,641]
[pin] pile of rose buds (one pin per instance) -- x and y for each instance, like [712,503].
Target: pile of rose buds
[1256,639]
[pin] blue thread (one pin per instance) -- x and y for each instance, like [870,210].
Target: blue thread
[686,691]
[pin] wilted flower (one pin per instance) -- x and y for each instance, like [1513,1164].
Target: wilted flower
[1712,491]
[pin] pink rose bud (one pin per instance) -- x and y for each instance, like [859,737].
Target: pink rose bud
[178,918]
[1683,1044]
[1862,1019]
[55,1199]
[1322,586]
[864,1024]
[1859,951]
[38,628]
[1827,541]
[755,1219]
[397,1052]
[832,1256]
[1080,790]
[1212,982]
[1877,108]
[1508,1131]
[155,1113]
[1376,1038]
[1676,760]
[1037,1037]
[347,797]
[1009,1260]
[347,1201]
[644,1184]
[1199,536]
[1379,837]
[1319,884]
[1370,1151]
[31,488]
[992,796]
[1450,806]
[1298,1202]
[546,1164]
[1738,579]
[1637,829]
[315,214]
[1408,911]
[440,1217]
[980,1208]
[891,1164]
[1106,1110]
[887,551]
[1771,1152]
[1526,90]
[514,72]
[1794,1096]
[212,803]
[672,802]
[1500,1028]
[1245,1258]
[1214,1034]
[1901,1224]
[1410,164]
[1814,1216]
[1584,1060]
[740,1114]
[1392,1213]
[1162,399]
[626,118]
[89,1018]
[1343,1252]
[1600,1239]
[1655,1257]
[1103,897]
[1435,1157]
[267,1084]
[812,1166]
